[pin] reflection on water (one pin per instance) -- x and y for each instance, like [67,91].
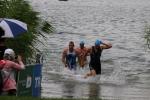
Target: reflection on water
[94,91]
[69,89]
[125,67]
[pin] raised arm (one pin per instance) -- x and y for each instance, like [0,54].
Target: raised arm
[19,58]
[105,45]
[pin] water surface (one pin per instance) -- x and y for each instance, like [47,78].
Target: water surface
[125,67]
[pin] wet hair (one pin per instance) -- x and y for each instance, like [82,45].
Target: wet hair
[1,32]
[71,42]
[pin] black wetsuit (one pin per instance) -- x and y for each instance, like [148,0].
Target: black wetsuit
[95,62]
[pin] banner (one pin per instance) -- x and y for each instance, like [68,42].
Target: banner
[29,81]
[36,87]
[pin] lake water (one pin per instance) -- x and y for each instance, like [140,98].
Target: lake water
[125,67]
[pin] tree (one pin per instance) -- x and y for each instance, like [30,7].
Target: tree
[21,10]
[147,36]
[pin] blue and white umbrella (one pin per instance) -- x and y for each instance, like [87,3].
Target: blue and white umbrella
[12,27]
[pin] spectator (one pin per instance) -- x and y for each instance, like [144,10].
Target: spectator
[8,71]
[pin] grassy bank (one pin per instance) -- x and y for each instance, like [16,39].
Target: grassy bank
[34,98]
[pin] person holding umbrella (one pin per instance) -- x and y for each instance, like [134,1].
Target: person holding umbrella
[2,49]
[11,28]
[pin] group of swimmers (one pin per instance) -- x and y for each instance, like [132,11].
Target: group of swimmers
[70,54]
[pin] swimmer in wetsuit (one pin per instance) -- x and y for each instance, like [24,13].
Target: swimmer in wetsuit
[95,54]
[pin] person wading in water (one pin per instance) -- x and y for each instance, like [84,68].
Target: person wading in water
[69,56]
[82,54]
[95,54]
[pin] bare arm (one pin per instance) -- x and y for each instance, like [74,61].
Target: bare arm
[89,50]
[105,45]
[19,59]
[64,57]
[19,65]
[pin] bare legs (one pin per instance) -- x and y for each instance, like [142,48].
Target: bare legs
[91,73]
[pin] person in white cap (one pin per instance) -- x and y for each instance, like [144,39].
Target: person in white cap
[8,71]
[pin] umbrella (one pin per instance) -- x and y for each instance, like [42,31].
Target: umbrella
[12,27]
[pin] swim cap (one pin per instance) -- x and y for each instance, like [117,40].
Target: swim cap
[82,42]
[97,42]
[10,52]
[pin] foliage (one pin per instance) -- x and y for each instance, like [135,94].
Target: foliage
[21,10]
[147,36]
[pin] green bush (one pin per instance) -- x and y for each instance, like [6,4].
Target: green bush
[22,10]
[147,36]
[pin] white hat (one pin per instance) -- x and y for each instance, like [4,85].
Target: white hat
[10,52]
